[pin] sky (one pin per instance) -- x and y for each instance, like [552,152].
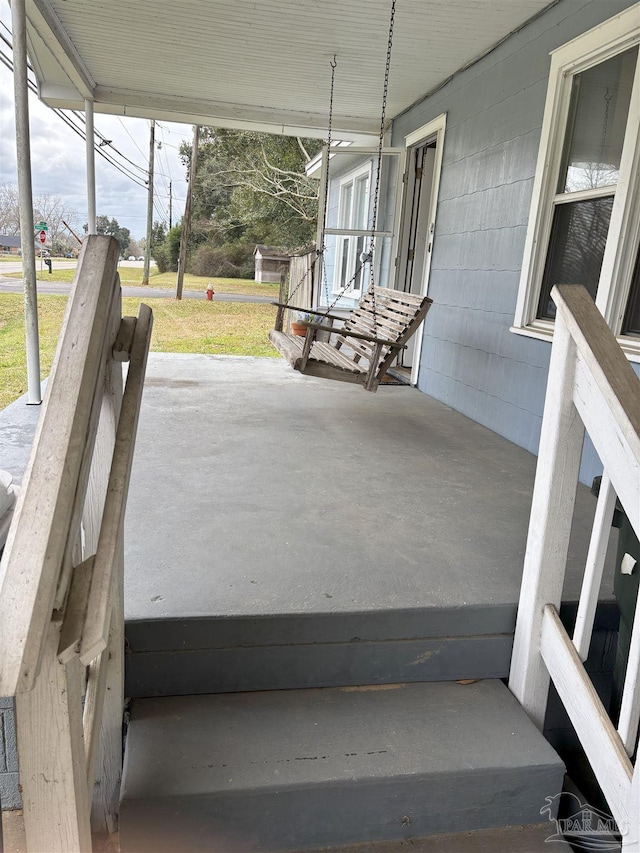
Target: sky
[58,158]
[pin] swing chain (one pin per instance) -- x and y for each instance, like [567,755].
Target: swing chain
[368,258]
[322,247]
[374,218]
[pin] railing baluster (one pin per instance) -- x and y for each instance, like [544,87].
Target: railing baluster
[98,617]
[630,706]
[594,567]
[594,728]
[549,527]
[631,837]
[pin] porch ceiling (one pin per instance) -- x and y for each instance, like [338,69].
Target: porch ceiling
[265,65]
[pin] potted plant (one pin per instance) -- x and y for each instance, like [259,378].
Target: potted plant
[299,325]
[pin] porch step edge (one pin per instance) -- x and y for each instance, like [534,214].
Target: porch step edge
[295,770]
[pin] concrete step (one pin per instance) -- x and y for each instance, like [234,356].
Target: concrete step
[534,838]
[302,769]
[177,657]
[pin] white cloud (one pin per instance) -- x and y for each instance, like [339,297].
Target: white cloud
[58,159]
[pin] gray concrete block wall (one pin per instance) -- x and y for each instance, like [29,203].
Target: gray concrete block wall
[17,425]
[470,360]
[9,795]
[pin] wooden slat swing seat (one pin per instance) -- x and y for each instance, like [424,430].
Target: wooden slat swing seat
[363,349]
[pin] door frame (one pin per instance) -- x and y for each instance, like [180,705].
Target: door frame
[433,131]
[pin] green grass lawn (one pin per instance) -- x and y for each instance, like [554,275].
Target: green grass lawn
[218,328]
[132,276]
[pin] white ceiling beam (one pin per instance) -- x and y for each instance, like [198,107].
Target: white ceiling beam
[224,114]
[211,113]
[216,114]
[44,20]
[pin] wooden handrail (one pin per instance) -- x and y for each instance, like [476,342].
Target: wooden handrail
[601,358]
[591,385]
[61,601]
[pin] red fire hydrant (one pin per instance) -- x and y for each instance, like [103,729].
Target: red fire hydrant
[210,291]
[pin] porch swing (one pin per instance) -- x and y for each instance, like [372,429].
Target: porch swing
[365,346]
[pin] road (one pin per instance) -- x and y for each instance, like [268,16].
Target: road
[59,263]
[14,285]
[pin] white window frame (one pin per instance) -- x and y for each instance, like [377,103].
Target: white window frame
[592,48]
[364,170]
[433,131]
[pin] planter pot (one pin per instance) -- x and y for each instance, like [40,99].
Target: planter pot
[299,328]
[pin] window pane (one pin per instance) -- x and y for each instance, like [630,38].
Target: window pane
[576,248]
[360,211]
[345,206]
[344,261]
[598,112]
[359,266]
[631,323]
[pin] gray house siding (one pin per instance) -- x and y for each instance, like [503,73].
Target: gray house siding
[470,360]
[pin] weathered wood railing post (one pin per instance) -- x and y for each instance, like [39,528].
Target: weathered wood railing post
[549,525]
[61,607]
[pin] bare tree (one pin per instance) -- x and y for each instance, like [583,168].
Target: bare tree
[52,210]
[48,208]
[9,210]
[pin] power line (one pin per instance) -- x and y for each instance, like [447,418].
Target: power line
[104,142]
[80,116]
[68,121]
[161,214]
[131,137]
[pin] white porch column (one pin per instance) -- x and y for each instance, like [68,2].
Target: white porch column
[23,151]
[91,168]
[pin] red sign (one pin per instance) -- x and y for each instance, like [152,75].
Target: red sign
[42,236]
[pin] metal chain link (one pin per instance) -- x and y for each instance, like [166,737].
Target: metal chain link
[374,218]
[321,250]
[368,258]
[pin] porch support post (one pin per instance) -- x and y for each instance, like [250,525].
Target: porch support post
[554,494]
[91,168]
[23,152]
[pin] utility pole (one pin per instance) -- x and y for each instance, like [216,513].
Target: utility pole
[147,248]
[186,219]
[70,229]
[170,205]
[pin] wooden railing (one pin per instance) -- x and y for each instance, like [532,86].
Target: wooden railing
[591,385]
[297,289]
[61,593]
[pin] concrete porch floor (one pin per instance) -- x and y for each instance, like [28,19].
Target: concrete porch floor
[257,491]
[286,532]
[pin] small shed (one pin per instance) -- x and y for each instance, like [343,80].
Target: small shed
[270,264]
[9,244]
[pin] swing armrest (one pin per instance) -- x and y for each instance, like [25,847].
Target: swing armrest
[319,311]
[318,327]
